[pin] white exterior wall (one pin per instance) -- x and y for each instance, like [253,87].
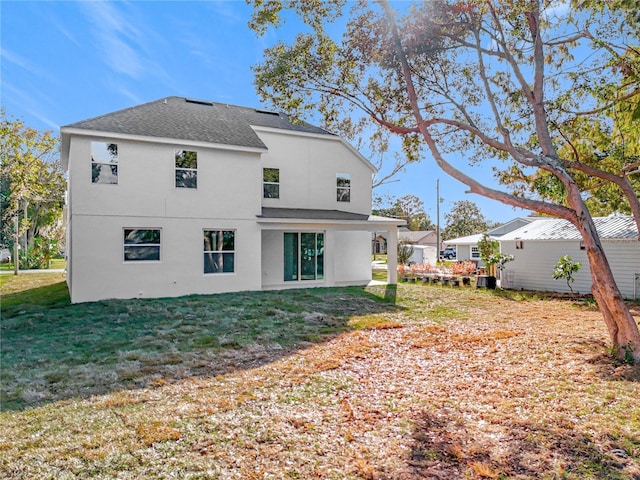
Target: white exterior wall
[423,254]
[347,258]
[463,252]
[352,262]
[532,267]
[308,168]
[227,182]
[227,197]
[100,272]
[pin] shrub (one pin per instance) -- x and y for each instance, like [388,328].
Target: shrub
[565,268]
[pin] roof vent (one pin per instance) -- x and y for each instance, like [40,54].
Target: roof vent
[198,102]
[267,112]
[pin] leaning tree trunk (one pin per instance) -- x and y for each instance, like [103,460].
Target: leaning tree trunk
[622,327]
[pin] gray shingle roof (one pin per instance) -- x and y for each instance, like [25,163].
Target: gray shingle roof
[611,227]
[413,236]
[317,215]
[311,214]
[185,119]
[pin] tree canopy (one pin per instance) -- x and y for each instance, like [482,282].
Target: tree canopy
[510,86]
[32,182]
[464,218]
[407,207]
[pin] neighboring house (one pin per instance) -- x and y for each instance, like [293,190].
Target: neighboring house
[181,196]
[378,244]
[467,247]
[418,237]
[538,246]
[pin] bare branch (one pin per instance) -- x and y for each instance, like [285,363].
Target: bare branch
[474,186]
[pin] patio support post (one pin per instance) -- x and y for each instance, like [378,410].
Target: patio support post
[392,256]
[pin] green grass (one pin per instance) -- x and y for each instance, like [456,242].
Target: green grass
[54,264]
[38,292]
[52,349]
[358,383]
[380,275]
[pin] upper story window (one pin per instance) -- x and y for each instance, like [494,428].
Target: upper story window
[141,245]
[104,163]
[186,169]
[343,183]
[271,182]
[219,251]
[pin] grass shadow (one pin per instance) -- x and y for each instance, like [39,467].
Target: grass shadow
[38,299]
[54,351]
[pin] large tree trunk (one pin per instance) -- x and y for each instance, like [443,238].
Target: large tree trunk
[623,330]
[622,327]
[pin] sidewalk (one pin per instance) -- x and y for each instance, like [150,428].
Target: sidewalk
[20,272]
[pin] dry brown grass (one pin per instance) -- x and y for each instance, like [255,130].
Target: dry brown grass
[511,387]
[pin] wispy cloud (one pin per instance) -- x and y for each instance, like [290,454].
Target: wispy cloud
[32,102]
[227,11]
[116,36]
[128,44]
[62,29]
[24,63]
[117,86]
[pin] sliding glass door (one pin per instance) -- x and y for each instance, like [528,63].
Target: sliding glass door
[303,256]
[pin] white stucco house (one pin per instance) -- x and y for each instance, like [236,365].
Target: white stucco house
[538,246]
[181,196]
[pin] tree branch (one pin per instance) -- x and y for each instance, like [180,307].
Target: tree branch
[474,186]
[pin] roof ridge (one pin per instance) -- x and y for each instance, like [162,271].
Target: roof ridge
[188,119]
[98,117]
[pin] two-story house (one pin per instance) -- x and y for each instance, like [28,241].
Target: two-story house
[181,196]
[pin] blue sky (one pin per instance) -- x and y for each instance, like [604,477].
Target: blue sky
[62,62]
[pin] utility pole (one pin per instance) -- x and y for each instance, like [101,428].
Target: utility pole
[16,238]
[438,220]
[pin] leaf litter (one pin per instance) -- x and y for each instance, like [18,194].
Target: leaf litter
[513,388]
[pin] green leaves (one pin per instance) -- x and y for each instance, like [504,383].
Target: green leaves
[565,269]
[464,219]
[31,179]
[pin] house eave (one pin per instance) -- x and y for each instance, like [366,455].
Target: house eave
[286,218]
[68,131]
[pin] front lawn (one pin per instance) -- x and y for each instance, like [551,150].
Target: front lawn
[344,383]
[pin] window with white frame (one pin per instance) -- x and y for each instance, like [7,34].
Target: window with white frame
[141,244]
[186,169]
[219,251]
[104,163]
[475,252]
[343,184]
[271,182]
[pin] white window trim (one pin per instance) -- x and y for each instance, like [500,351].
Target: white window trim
[338,187]
[215,274]
[110,164]
[182,169]
[271,183]
[475,252]
[159,245]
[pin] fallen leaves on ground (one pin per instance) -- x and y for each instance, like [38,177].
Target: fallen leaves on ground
[515,389]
